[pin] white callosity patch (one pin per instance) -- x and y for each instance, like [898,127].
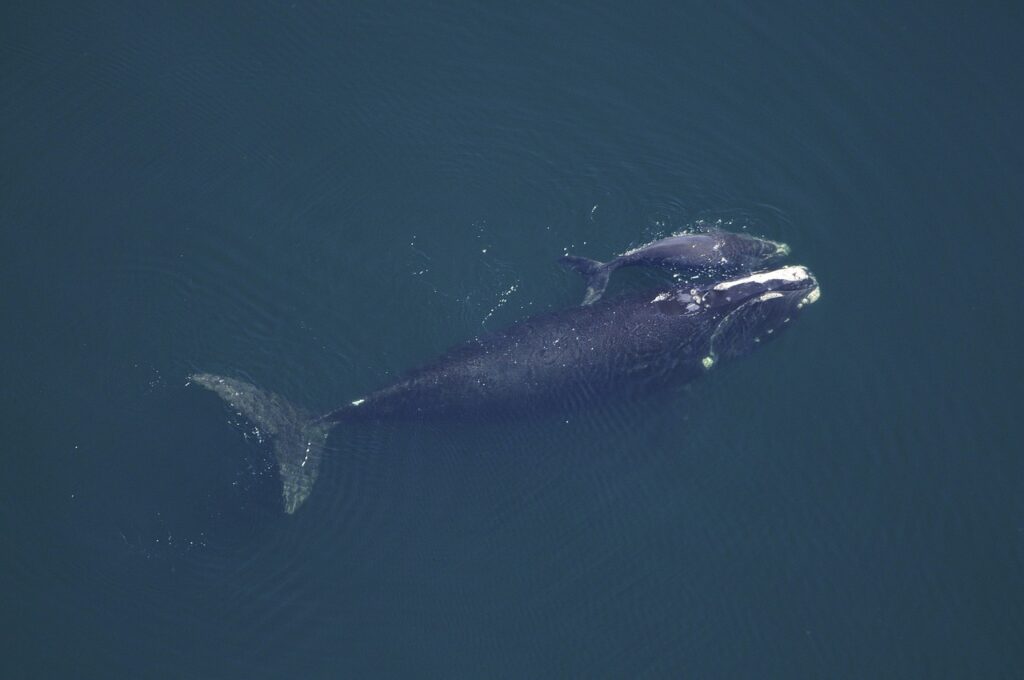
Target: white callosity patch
[810,298]
[788,274]
[357,402]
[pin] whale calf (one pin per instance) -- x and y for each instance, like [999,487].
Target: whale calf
[549,363]
[713,252]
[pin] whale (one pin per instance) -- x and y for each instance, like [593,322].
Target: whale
[622,348]
[712,253]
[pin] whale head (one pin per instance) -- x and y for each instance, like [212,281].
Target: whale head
[753,309]
[749,252]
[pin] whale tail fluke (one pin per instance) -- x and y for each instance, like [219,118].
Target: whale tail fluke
[296,438]
[596,274]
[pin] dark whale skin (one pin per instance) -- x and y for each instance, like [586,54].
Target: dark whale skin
[554,360]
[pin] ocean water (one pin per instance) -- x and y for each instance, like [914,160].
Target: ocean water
[316,196]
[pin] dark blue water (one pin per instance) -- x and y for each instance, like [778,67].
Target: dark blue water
[315,197]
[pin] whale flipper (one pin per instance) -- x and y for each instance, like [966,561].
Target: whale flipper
[595,272]
[296,438]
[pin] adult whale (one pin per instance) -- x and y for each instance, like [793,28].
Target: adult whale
[716,252]
[550,362]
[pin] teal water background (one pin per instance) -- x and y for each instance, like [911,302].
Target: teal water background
[317,196]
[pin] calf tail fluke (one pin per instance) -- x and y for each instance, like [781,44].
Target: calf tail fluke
[596,274]
[297,439]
